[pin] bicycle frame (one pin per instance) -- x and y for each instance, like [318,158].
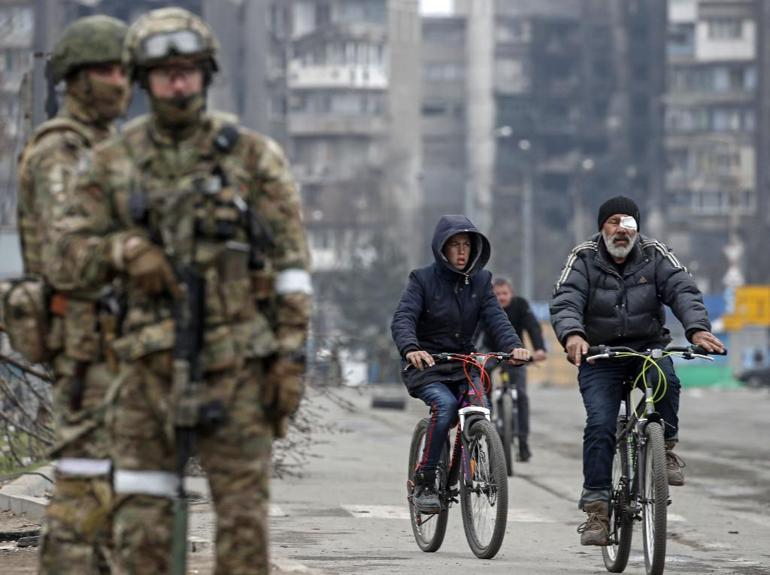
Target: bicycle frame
[633,433]
[467,415]
[639,484]
[505,388]
[472,475]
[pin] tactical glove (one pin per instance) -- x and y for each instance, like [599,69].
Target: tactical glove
[147,266]
[282,390]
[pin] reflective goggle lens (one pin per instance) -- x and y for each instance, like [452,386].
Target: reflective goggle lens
[165,44]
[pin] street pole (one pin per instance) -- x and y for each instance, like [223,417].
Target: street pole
[527,267]
[38,62]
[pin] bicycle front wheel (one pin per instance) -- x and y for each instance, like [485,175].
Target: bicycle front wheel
[621,516]
[428,529]
[654,489]
[484,491]
[506,415]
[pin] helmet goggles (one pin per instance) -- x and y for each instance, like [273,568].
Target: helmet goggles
[174,43]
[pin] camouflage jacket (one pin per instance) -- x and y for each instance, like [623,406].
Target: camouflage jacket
[48,168]
[190,197]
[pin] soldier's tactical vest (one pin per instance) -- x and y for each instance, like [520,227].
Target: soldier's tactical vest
[194,204]
[25,300]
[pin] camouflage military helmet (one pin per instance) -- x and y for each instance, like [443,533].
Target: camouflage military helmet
[165,34]
[85,42]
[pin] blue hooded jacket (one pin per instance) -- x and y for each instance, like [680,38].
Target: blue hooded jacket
[441,307]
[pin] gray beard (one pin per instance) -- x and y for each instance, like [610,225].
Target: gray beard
[618,251]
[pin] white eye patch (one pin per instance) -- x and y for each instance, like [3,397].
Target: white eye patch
[629,223]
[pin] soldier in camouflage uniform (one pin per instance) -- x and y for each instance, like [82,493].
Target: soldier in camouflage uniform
[88,58]
[180,188]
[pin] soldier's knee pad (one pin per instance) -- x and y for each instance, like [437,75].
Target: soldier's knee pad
[82,500]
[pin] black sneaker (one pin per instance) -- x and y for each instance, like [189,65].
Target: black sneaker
[524,453]
[425,497]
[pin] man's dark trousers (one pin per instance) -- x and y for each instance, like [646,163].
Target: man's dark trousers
[600,386]
[517,376]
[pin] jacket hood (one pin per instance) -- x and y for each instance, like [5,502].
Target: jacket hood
[450,225]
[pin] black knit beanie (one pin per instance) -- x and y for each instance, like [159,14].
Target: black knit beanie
[618,205]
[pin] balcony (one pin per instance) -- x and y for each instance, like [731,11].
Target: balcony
[336,77]
[303,124]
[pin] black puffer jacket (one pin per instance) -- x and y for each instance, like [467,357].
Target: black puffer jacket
[593,300]
[441,307]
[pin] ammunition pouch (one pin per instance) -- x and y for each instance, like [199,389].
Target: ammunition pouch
[26,317]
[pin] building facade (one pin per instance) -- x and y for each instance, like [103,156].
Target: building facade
[561,110]
[444,120]
[353,83]
[17,31]
[712,133]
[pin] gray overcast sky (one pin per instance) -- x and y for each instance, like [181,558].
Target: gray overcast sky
[435,6]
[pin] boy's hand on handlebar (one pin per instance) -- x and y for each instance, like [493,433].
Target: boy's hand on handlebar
[707,341]
[576,348]
[420,359]
[519,356]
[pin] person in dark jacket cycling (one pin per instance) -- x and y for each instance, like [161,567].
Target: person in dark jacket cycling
[611,292]
[439,311]
[523,320]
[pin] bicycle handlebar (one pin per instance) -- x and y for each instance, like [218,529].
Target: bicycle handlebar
[686,352]
[477,357]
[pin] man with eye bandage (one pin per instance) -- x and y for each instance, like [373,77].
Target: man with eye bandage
[612,291]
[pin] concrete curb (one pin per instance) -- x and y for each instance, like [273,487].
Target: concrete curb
[27,493]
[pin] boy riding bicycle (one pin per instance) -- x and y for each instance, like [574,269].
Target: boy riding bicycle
[440,311]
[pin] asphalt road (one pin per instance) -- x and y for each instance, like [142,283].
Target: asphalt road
[348,514]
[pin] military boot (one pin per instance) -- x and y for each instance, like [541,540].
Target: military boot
[596,529]
[674,465]
[425,497]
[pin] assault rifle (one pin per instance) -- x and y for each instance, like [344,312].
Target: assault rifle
[190,412]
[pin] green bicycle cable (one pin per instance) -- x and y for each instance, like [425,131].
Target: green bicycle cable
[662,385]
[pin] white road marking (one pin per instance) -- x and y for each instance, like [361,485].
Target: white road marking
[399,512]
[676,517]
[526,516]
[289,566]
[377,511]
[276,511]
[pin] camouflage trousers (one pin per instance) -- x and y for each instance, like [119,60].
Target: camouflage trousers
[77,527]
[235,456]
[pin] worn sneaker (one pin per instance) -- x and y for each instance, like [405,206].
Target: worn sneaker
[425,497]
[674,466]
[596,529]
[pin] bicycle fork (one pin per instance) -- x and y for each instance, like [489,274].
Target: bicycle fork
[468,416]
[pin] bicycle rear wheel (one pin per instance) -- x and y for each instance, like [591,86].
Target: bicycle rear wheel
[484,494]
[506,435]
[621,518]
[428,529]
[654,488]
